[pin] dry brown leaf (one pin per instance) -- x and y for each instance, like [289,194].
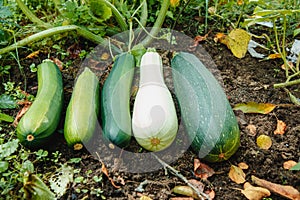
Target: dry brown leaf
[253,107]
[283,190]
[255,193]
[289,164]
[59,63]
[264,142]
[243,165]
[290,65]
[202,170]
[21,112]
[197,184]
[197,40]
[105,172]
[33,54]
[281,127]
[251,129]
[211,193]
[236,174]
[220,37]
[274,56]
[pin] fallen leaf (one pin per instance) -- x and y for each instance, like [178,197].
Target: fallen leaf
[58,62]
[211,193]
[289,164]
[202,170]
[274,56]
[105,56]
[289,64]
[21,112]
[33,54]
[105,172]
[186,191]
[283,190]
[281,127]
[197,40]
[251,129]
[145,198]
[253,107]
[243,165]
[255,193]
[264,142]
[182,198]
[197,184]
[236,174]
[237,41]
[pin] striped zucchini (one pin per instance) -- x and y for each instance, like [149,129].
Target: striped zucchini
[207,115]
[42,118]
[115,105]
[82,112]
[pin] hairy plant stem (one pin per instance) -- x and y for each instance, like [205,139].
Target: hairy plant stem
[31,16]
[286,84]
[120,19]
[158,23]
[144,13]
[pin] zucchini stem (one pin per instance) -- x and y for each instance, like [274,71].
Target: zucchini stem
[119,17]
[158,23]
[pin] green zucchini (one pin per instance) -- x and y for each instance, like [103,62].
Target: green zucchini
[43,116]
[115,101]
[207,115]
[83,109]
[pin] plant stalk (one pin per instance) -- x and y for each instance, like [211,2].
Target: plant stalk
[158,23]
[32,16]
[120,19]
[286,84]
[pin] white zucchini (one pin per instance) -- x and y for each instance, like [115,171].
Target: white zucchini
[154,120]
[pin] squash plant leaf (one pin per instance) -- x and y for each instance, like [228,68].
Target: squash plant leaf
[35,188]
[7,102]
[253,107]
[100,10]
[61,179]
[296,167]
[6,118]
[8,148]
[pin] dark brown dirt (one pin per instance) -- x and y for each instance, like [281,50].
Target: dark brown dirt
[245,80]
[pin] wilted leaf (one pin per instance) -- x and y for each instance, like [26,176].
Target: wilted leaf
[264,142]
[36,189]
[33,54]
[255,193]
[211,193]
[283,190]
[202,170]
[61,179]
[251,129]
[186,191]
[105,172]
[237,41]
[21,113]
[7,102]
[281,127]
[253,107]
[197,40]
[145,198]
[236,174]
[243,165]
[274,56]
[289,164]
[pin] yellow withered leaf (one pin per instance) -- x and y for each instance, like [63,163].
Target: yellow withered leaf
[253,107]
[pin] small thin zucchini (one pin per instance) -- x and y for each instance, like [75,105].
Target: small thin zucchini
[82,111]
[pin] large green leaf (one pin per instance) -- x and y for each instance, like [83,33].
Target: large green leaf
[100,10]
[7,102]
